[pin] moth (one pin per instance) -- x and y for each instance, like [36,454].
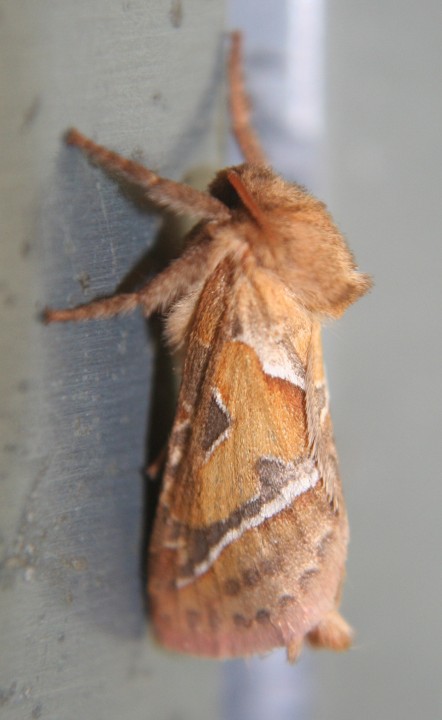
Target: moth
[249,543]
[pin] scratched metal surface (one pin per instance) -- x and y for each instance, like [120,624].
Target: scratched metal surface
[138,76]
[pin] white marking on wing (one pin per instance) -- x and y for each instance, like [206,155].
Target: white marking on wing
[306,478]
[284,371]
[274,358]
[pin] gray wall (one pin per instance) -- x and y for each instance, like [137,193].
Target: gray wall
[140,77]
[383,121]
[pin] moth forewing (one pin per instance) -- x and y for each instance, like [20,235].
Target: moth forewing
[250,538]
[247,553]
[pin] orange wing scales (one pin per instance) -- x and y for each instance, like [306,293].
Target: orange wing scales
[248,552]
[270,588]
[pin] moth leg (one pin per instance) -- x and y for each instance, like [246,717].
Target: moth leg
[177,197]
[240,106]
[155,468]
[157,294]
[332,633]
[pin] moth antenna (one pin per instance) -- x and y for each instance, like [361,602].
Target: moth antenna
[240,106]
[247,199]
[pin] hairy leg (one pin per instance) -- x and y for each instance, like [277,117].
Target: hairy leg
[157,294]
[176,196]
[167,286]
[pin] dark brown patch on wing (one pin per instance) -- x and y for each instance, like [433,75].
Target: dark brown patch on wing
[269,567]
[195,368]
[251,577]
[306,577]
[217,422]
[232,587]
[237,328]
[323,545]
[286,600]
[241,621]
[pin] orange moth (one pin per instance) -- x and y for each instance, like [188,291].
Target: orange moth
[250,538]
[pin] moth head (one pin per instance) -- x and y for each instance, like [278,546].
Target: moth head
[292,234]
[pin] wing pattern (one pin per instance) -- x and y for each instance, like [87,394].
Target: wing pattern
[246,534]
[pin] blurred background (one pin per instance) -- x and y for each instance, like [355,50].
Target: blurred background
[347,101]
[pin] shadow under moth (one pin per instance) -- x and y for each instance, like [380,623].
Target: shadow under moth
[250,537]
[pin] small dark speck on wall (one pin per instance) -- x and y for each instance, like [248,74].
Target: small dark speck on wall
[31,114]
[176,13]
